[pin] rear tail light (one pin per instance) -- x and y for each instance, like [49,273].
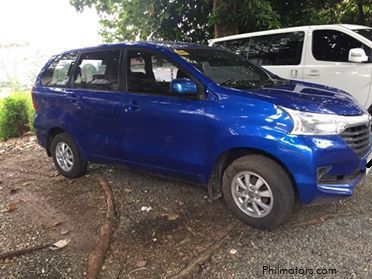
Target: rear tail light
[33,98]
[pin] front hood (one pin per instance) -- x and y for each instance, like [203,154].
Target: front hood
[309,97]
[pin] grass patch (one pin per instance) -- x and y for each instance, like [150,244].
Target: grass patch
[16,115]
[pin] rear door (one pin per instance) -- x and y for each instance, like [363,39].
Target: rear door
[327,63]
[52,94]
[98,96]
[161,130]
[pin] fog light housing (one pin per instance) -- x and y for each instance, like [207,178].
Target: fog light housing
[321,171]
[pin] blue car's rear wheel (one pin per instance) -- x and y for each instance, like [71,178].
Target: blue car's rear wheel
[258,191]
[66,156]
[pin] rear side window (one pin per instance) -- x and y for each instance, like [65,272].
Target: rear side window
[276,49]
[332,45]
[239,46]
[98,70]
[58,72]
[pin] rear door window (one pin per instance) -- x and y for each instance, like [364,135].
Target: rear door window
[98,70]
[58,72]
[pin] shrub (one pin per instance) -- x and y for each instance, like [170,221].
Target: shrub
[16,115]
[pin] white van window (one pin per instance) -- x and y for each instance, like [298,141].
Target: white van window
[333,45]
[275,49]
[366,33]
[239,46]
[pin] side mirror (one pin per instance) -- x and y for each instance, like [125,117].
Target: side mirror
[183,86]
[357,55]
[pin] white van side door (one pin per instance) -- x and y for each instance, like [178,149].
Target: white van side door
[280,53]
[326,62]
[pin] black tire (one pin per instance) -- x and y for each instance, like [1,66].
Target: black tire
[79,165]
[280,184]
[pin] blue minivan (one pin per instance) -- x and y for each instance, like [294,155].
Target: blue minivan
[207,116]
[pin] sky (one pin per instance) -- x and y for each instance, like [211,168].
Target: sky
[48,24]
[31,31]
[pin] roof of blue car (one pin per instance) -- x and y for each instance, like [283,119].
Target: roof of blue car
[154,44]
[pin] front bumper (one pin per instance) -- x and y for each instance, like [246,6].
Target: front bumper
[322,167]
[342,188]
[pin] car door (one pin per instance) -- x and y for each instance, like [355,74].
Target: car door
[97,93]
[327,63]
[161,131]
[280,53]
[55,97]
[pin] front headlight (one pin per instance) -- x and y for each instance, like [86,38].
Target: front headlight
[307,123]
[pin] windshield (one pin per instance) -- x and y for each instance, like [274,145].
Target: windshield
[227,68]
[366,33]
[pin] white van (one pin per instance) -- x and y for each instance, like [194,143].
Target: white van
[336,55]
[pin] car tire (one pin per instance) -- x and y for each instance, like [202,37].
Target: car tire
[66,156]
[268,198]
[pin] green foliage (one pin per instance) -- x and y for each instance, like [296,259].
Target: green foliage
[185,20]
[246,15]
[16,115]
[193,20]
[351,11]
[308,12]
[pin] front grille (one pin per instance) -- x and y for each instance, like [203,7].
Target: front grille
[358,138]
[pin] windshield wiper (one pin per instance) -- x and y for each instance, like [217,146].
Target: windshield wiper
[240,83]
[273,82]
[245,83]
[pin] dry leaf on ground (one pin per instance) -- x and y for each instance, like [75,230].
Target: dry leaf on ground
[10,208]
[141,263]
[60,244]
[171,216]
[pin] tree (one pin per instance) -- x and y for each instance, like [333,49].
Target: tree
[241,16]
[354,11]
[185,20]
[197,20]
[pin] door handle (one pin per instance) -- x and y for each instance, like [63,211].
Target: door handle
[294,73]
[72,98]
[132,106]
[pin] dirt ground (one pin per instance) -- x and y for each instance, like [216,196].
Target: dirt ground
[182,227]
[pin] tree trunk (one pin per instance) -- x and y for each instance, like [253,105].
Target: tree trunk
[223,29]
[361,16]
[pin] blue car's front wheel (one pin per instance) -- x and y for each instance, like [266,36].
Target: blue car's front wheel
[258,191]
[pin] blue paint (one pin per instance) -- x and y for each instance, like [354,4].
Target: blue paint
[184,137]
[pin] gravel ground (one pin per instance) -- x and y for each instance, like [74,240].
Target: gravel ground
[37,206]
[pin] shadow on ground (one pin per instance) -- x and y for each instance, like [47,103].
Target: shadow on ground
[180,226]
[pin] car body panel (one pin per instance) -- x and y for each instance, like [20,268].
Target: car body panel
[184,138]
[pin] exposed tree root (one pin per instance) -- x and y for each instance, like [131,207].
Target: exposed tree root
[195,263]
[27,250]
[97,256]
